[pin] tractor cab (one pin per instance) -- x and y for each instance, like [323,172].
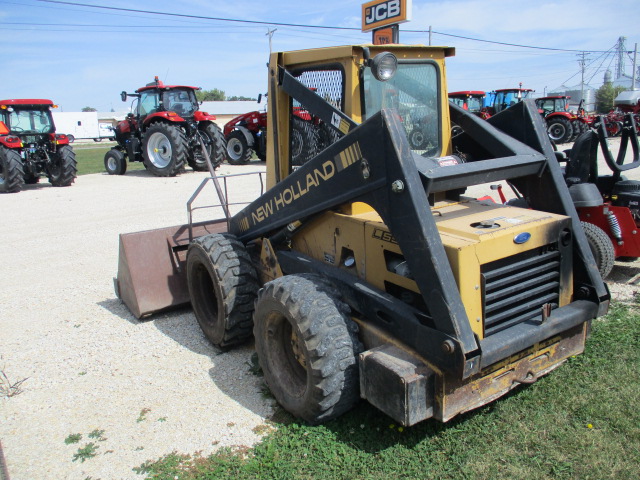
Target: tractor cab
[27,117]
[558,103]
[471,100]
[164,100]
[507,97]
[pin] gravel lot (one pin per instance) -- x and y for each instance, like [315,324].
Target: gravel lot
[153,386]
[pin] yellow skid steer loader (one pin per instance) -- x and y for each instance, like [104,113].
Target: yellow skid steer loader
[364,271]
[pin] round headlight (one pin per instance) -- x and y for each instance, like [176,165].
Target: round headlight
[384,66]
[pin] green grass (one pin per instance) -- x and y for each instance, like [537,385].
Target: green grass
[580,422]
[90,159]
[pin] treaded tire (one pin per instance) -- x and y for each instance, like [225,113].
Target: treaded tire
[222,286]
[577,130]
[307,346]
[601,248]
[62,171]
[238,151]
[164,149]
[215,144]
[114,162]
[11,171]
[303,145]
[559,129]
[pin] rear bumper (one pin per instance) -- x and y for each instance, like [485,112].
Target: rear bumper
[504,344]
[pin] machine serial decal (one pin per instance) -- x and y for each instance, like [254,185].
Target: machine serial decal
[340,123]
[383,235]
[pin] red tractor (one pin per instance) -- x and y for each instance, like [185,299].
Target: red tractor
[563,125]
[166,132]
[245,134]
[30,147]
[471,100]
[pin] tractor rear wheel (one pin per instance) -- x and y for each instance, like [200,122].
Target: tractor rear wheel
[114,162]
[214,143]
[62,170]
[11,171]
[164,149]
[238,151]
[307,346]
[303,145]
[559,129]
[601,248]
[222,286]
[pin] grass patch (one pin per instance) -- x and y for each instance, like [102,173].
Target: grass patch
[91,159]
[580,422]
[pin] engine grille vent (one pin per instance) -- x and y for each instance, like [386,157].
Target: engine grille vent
[516,288]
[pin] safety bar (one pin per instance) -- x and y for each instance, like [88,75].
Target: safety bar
[222,196]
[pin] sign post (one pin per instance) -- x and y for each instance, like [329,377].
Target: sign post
[383,17]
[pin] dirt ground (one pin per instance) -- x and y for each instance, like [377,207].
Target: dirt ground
[136,390]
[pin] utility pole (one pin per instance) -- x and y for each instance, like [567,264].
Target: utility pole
[633,72]
[621,54]
[270,34]
[430,32]
[582,62]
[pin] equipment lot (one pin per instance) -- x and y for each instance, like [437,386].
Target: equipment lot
[153,386]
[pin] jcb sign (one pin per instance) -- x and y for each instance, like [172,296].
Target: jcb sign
[380,13]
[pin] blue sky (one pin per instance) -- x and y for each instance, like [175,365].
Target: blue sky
[81,56]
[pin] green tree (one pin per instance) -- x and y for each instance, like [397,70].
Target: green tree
[89,109]
[234,98]
[210,95]
[605,96]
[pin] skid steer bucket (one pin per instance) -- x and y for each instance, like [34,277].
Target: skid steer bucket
[152,263]
[152,266]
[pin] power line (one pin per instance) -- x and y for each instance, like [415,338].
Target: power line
[282,24]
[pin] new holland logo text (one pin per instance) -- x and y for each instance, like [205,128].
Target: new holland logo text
[293,192]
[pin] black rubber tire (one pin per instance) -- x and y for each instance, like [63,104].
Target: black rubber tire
[223,285]
[307,346]
[302,142]
[215,144]
[238,151]
[115,163]
[63,169]
[559,129]
[11,171]
[601,248]
[164,149]
[575,125]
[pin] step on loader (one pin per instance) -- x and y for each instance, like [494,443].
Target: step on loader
[364,271]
